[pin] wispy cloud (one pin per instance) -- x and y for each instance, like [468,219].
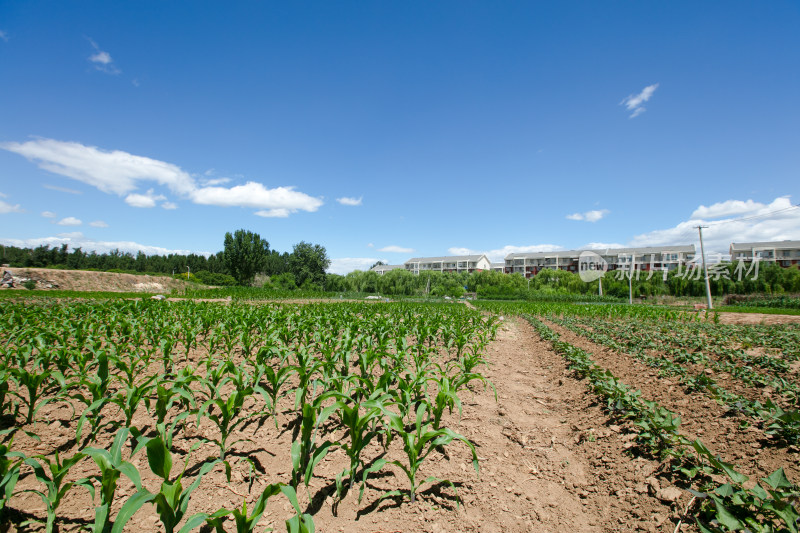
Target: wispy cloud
[5,207]
[3,36]
[396,249]
[728,208]
[60,189]
[102,60]
[77,240]
[169,206]
[146,200]
[775,221]
[589,216]
[350,201]
[69,221]
[122,173]
[98,224]
[635,103]
[48,214]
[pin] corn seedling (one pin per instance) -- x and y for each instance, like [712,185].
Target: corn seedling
[111,467]
[53,479]
[172,499]
[418,443]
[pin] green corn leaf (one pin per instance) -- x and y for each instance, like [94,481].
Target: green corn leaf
[129,508]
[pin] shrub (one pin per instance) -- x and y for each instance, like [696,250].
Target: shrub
[30,284]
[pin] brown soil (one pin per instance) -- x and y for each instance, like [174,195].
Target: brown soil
[551,460]
[757,318]
[81,280]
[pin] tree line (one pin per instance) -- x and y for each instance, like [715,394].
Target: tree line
[245,254]
[725,279]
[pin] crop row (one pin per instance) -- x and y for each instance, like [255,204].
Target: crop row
[768,506]
[146,372]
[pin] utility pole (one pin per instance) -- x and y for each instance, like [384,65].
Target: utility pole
[600,279]
[705,268]
[630,278]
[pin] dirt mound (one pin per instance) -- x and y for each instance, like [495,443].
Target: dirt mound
[81,280]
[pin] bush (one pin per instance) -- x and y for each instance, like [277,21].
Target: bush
[30,284]
[211,278]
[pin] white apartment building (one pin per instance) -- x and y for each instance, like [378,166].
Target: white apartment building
[784,253]
[456,263]
[661,258]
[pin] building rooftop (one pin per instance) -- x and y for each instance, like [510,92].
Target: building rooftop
[781,245]
[450,258]
[604,251]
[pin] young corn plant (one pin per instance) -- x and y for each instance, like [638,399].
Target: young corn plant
[128,400]
[172,500]
[274,380]
[227,415]
[34,383]
[359,420]
[111,468]
[306,454]
[245,523]
[52,477]
[418,443]
[9,474]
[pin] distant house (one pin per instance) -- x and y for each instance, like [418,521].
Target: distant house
[383,269]
[784,253]
[455,263]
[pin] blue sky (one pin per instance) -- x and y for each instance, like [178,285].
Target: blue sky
[385,130]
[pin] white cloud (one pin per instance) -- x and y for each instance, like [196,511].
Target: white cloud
[499,254]
[69,221]
[102,60]
[775,221]
[396,249]
[273,213]
[215,181]
[724,209]
[149,199]
[280,200]
[71,235]
[5,207]
[3,36]
[589,216]
[48,214]
[121,173]
[601,245]
[635,103]
[98,224]
[169,205]
[60,189]
[344,265]
[76,240]
[350,201]
[114,172]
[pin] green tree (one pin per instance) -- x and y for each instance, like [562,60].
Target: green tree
[308,263]
[245,255]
